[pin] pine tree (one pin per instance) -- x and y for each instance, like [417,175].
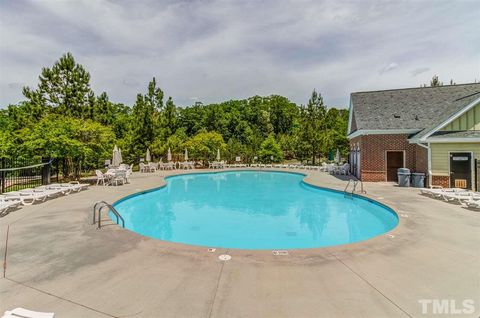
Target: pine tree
[63,89]
[169,118]
[312,122]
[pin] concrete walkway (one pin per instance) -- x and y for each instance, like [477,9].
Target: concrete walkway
[57,261]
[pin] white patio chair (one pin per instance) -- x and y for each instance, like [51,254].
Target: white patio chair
[118,177]
[345,169]
[101,177]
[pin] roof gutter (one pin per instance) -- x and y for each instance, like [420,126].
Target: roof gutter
[363,132]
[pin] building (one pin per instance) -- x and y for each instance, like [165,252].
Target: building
[433,130]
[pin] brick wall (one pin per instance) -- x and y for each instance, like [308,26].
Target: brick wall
[443,181]
[373,155]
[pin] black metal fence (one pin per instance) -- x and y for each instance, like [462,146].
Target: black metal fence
[17,174]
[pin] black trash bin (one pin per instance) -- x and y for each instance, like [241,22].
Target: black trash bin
[418,180]
[403,177]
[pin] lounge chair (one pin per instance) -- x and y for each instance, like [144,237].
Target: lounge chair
[25,313]
[29,197]
[472,203]
[428,191]
[52,190]
[460,196]
[6,205]
[438,192]
[72,186]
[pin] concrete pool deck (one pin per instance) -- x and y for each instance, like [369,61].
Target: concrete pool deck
[57,261]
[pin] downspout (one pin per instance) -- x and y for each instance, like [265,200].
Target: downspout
[429,157]
[429,165]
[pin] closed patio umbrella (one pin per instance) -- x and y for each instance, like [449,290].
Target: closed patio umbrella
[218,154]
[120,155]
[186,154]
[169,155]
[116,157]
[148,158]
[337,157]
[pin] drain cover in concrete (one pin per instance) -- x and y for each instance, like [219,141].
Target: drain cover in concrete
[224,257]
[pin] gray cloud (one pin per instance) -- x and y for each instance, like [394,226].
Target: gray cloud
[389,67]
[420,70]
[216,50]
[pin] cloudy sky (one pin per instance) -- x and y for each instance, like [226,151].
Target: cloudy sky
[216,50]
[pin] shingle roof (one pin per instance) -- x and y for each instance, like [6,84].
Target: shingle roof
[456,134]
[420,108]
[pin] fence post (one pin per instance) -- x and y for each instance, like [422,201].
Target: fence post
[2,176]
[46,171]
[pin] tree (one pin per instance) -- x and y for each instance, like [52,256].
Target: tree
[169,118]
[81,142]
[435,81]
[63,89]
[312,125]
[204,145]
[145,119]
[270,151]
[142,126]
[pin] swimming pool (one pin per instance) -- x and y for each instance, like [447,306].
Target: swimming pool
[253,210]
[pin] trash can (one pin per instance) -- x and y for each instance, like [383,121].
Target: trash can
[403,177]
[418,180]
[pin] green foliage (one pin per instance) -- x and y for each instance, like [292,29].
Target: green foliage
[63,89]
[204,145]
[63,118]
[313,129]
[270,151]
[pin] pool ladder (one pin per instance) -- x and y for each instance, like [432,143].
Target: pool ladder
[347,193]
[98,208]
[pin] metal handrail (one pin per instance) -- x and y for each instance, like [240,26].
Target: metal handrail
[346,187]
[355,183]
[102,205]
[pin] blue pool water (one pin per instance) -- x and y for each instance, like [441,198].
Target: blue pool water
[253,210]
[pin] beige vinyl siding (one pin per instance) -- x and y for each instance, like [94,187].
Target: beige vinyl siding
[468,121]
[441,158]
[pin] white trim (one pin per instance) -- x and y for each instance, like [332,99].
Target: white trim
[451,118]
[386,160]
[362,132]
[472,169]
[453,140]
[350,117]
[422,145]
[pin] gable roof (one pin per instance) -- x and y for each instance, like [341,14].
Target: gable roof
[412,109]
